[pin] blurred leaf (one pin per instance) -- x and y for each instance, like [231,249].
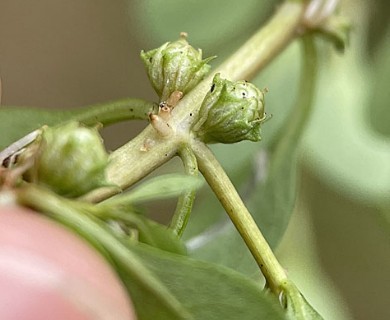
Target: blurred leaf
[340,146]
[302,255]
[149,231]
[121,208]
[158,188]
[161,237]
[16,122]
[275,191]
[378,110]
[209,23]
[207,291]
[378,20]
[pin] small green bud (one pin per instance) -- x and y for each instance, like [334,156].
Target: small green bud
[230,112]
[71,160]
[175,66]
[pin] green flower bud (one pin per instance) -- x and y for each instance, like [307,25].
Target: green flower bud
[71,160]
[230,112]
[175,66]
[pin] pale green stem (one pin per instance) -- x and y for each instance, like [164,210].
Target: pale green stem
[114,111]
[220,183]
[251,57]
[227,194]
[135,160]
[129,164]
[184,205]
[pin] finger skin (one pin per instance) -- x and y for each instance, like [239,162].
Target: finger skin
[47,272]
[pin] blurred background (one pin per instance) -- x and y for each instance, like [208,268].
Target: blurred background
[68,54]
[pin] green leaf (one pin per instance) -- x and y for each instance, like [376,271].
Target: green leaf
[378,110]
[342,148]
[216,38]
[158,188]
[149,232]
[120,208]
[16,122]
[209,291]
[161,237]
[297,306]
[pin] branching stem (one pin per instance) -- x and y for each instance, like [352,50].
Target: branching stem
[147,151]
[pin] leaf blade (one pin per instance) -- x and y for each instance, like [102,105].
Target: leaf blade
[210,291]
[158,188]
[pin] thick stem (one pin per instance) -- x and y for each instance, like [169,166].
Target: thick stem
[185,202]
[264,45]
[129,164]
[134,161]
[240,216]
[251,57]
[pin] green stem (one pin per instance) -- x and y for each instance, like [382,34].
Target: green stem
[134,161]
[265,45]
[114,111]
[185,202]
[129,164]
[224,189]
[226,192]
[96,233]
[302,108]
[256,53]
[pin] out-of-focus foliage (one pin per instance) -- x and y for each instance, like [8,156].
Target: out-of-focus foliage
[341,146]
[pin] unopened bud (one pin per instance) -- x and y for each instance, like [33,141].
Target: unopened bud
[230,112]
[71,160]
[175,66]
